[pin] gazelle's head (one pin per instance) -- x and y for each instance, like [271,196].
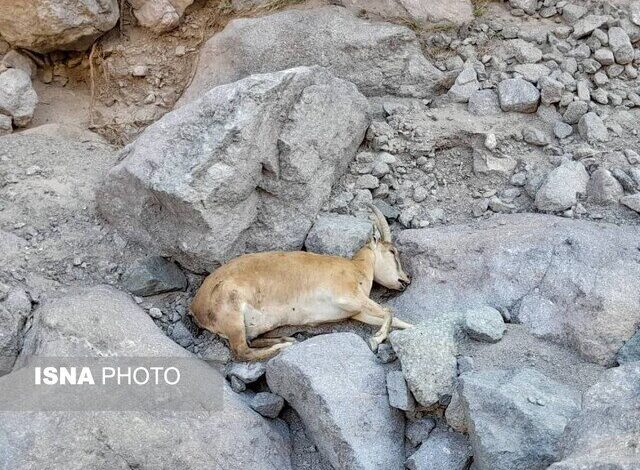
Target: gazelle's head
[387,269]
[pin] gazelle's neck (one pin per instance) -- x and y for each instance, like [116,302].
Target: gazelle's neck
[364,260]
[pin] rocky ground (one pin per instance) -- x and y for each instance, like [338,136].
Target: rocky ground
[160,138]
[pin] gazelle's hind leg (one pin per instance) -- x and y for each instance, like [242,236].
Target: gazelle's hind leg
[234,329]
[262,342]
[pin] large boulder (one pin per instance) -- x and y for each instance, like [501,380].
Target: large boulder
[380,58]
[572,281]
[606,433]
[338,235]
[103,322]
[47,25]
[515,418]
[18,99]
[338,388]
[245,168]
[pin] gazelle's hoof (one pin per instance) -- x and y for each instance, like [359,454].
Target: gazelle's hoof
[373,344]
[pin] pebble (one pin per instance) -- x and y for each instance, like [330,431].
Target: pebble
[267,404]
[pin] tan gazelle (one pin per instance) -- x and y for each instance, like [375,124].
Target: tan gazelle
[256,293]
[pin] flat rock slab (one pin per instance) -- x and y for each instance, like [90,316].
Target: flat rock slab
[338,388]
[575,282]
[427,354]
[380,58]
[104,322]
[515,417]
[245,168]
[606,433]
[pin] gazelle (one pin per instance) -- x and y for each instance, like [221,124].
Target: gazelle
[256,293]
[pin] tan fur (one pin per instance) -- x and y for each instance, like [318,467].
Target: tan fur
[256,293]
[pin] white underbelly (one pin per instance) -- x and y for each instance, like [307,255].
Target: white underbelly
[308,311]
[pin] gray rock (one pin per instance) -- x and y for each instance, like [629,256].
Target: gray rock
[484,324]
[518,95]
[387,59]
[153,275]
[562,186]
[630,352]
[534,136]
[606,432]
[18,99]
[466,84]
[465,364]
[620,44]
[418,431]
[103,322]
[632,156]
[604,56]
[43,26]
[515,417]
[443,450]
[181,191]
[247,372]
[488,163]
[321,379]
[588,24]
[427,354]
[523,51]
[572,13]
[159,15]
[550,90]
[562,130]
[536,266]
[386,354]
[575,111]
[532,72]
[528,6]
[628,183]
[603,188]
[339,235]
[13,318]
[6,126]
[632,202]
[15,60]
[267,404]
[399,395]
[484,103]
[592,128]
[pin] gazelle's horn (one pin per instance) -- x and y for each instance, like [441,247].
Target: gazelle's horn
[381,223]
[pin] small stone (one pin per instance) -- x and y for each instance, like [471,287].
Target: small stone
[583,90]
[153,275]
[632,156]
[418,431]
[603,188]
[592,128]
[420,194]
[562,130]
[237,385]
[601,96]
[18,99]
[139,71]
[604,56]
[575,111]
[180,51]
[267,404]
[484,324]
[484,103]
[550,90]
[247,372]
[367,182]
[524,52]
[155,312]
[386,354]
[560,190]
[442,450]
[620,44]
[632,202]
[5,125]
[535,136]
[490,141]
[465,85]
[399,395]
[518,95]
[572,13]
[588,24]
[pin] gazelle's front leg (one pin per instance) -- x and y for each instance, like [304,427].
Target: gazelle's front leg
[373,314]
